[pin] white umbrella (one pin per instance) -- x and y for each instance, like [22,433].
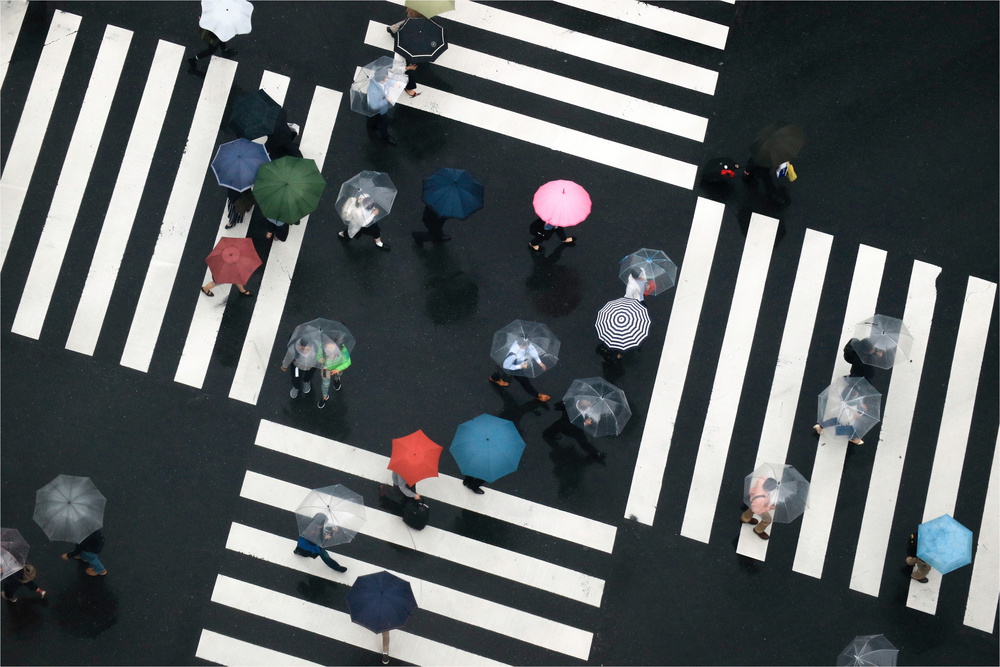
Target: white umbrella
[226,18]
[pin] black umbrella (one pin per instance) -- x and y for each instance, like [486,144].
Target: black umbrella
[380,601]
[420,40]
[256,115]
[777,143]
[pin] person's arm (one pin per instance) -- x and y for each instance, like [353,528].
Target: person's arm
[288,358]
[533,351]
[511,363]
[401,485]
[344,362]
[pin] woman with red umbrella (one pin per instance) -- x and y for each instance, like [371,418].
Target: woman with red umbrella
[232,261]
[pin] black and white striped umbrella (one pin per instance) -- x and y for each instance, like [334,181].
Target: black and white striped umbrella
[622,323]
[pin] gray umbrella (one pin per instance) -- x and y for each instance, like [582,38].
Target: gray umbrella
[69,508]
[868,650]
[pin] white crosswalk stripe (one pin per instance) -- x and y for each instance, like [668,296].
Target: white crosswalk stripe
[11,16]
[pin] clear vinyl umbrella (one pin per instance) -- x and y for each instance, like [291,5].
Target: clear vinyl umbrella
[365,198]
[597,406]
[532,342]
[881,341]
[850,405]
[330,516]
[69,508]
[311,341]
[652,266]
[13,551]
[780,487]
[378,85]
[868,651]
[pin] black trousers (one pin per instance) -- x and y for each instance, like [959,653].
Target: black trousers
[371,230]
[299,376]
[434,224]
[379,123]
[565,427]
[525,383]
[539,234]
[210,50]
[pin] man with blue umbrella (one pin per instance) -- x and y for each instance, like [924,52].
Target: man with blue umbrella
[448,193]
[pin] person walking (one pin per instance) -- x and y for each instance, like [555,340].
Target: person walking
[335,360]
[378,123]
[302,358]
[435,228]
[359,213]
[87,551]
[400,492]
[26,578]
[564,426]
[311,539]
[521,355]
[760,503]
[214,43]
[920,567]
[410,14]
[769,177]
[276,229]
[542,231]
[473,484]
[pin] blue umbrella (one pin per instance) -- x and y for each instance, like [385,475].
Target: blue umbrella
[380,601]
[487,447]
[944,544]
[236,163]
[453,193]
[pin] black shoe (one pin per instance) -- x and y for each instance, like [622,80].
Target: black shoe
[476,489]
[389,139]
[321,403]
[923,581]
[419,242]
[384,246]
[600,456]
[229,53]
[193,62]
[337,385]
[389,30]
[343,237]
[340,568]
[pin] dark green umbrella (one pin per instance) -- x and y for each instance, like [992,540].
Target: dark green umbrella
[288,189]
[776,144]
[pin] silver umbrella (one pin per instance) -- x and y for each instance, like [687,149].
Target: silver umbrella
[597,406]
[525,348]
[377,86]
[365,198]
[868,651]
[330,516]
[69,508]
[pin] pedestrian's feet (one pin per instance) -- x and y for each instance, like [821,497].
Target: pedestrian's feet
[817,428]
[246,292]
[474,489]
[94,573]
[411,93]
[321,403]
[856,441]
[193,62]
[389,30]
[343,237]
[337,384]
[66,557]
[389,139]
[762,535]
[543,397]
[340,568]
[922,581]
[42,593]
[570,241]
[502,383]
[752,521]
[229,53]
[294,393]
[8,599]
[385,655]
[382,245]
[306,388]
[207,291]
[536,248]
[600,456]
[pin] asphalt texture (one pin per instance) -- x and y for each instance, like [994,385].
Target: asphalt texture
[899,103]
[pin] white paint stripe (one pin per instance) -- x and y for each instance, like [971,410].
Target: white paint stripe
[984,589]
[433,541]
[11,17]
[557,38]
[956,421]
[431,597]
[898,406]
[786,387]
[77,165]
[273,291]
[223,650]
[495,504]
[717,432]
[563,89]
[556,137]
[208,312]
[665,400]
[828,467]
[326,622]
[120,216]
[35,115]
[177,218]
[660,19]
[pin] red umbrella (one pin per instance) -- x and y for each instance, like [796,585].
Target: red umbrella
[415,457]
[233,260]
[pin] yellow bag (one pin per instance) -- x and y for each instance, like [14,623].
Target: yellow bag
[791,173]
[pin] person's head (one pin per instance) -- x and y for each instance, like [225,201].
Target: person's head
[770,484]
[331,350]
[583,403]
[366,201]
[305,345]
[522,343]
[28,572]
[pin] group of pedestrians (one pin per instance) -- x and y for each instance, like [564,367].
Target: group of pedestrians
[86,551]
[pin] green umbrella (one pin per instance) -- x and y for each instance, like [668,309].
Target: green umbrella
[288,189]
[431,8]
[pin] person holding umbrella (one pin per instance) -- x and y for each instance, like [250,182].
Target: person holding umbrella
[558,204]
[308,544]
[381,602]
[233,260]
[26,578]
[220,21]
[335,359]
[87,551]
[770,156]
[303,355]
[360,214]
[760,503]
[521,355]
[447,193]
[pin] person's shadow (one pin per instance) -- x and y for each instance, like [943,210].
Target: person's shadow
[452,294]
[554,289]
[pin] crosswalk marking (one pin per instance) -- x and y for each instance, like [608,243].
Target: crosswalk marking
[433,541]
[828,467]
[76,169]
[984,589]
[786,387]
[11,17]
[208,312]
[956,422]
[447,489]
[35,116]
[277,279]
[692,281]
[898,406]
[430,596]
[657,18]
[124,204]
[224,650]
[178,216]
[337,625]
[583,46]
[600,100]
[720,419]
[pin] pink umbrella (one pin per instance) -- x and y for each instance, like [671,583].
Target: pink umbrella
[233,260]
[562,203]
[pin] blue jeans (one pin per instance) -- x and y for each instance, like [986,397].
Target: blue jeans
[93,561]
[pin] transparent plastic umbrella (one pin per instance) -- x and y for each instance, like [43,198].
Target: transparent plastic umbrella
[868,650]
[365,198]
[13,551]
[882,341]
[69,508]
[652,266]
[312,339]
[783,486]
[597,406]
[330,516]
[530,341]
[944,544]
[226,18]
[851,406]
[378,85]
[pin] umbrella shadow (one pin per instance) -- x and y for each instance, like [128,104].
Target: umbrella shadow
[479,527]
[88,608]
[514,410]
[567,466]
[316,589]
[756,203]
[452,293]
[554,289]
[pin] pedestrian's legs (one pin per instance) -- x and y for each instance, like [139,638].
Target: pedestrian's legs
[385,647]
[93,561]
[526,384]
[578,434]
[307,377]
[747,516]
[296,380]
[326,384]
[206,53]
[561,233]
[920,570]
[500,377]
[333,565]
[765,521]
[394,28]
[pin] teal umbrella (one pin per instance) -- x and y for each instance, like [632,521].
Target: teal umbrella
[487,447]
[944,544]
[288,189]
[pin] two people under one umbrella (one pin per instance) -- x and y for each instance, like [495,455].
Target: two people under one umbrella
[851,406]
[774,493]
[364,199]
[558,204]
[523,350]
[233,260]
[381,602]
[318,344]
[770,158]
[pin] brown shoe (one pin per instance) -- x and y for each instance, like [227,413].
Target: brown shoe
[92,572]
[543,397]
[752,521]
[763,536]
[502,383]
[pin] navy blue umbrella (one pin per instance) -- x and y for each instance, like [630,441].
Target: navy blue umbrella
[453,193]
[236,163]
[380,601]
[255,114]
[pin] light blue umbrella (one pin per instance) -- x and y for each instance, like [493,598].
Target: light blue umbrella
[236,163]
[944,544]
[487,447]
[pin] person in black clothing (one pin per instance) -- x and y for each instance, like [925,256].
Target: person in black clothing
[753,172]
[851,356]
[541,231]
[214,43]
[563,426]
[435,228]
[474,484]
[26,578]
[87,551]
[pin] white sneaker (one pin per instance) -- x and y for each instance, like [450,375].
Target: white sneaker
[294,127]
[306,388]
[294,393]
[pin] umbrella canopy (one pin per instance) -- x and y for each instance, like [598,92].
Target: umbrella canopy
[255,115]
[415,457]
[310,341]
[622,323]
[380,601]
[226,18]
[487,447]
[289,188]
[236,163]
[69,508]
[431,8]
[453,193]
[331,331]
[944,544]
[868,650]
[652,266]
[233,260]
[420,40]
[330,516]
[851,405]
[13,552]
[777,143]
[561,203]
[780,486]
[522,346]
[365,198]
[882,341]
[378,85]
[597,406]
